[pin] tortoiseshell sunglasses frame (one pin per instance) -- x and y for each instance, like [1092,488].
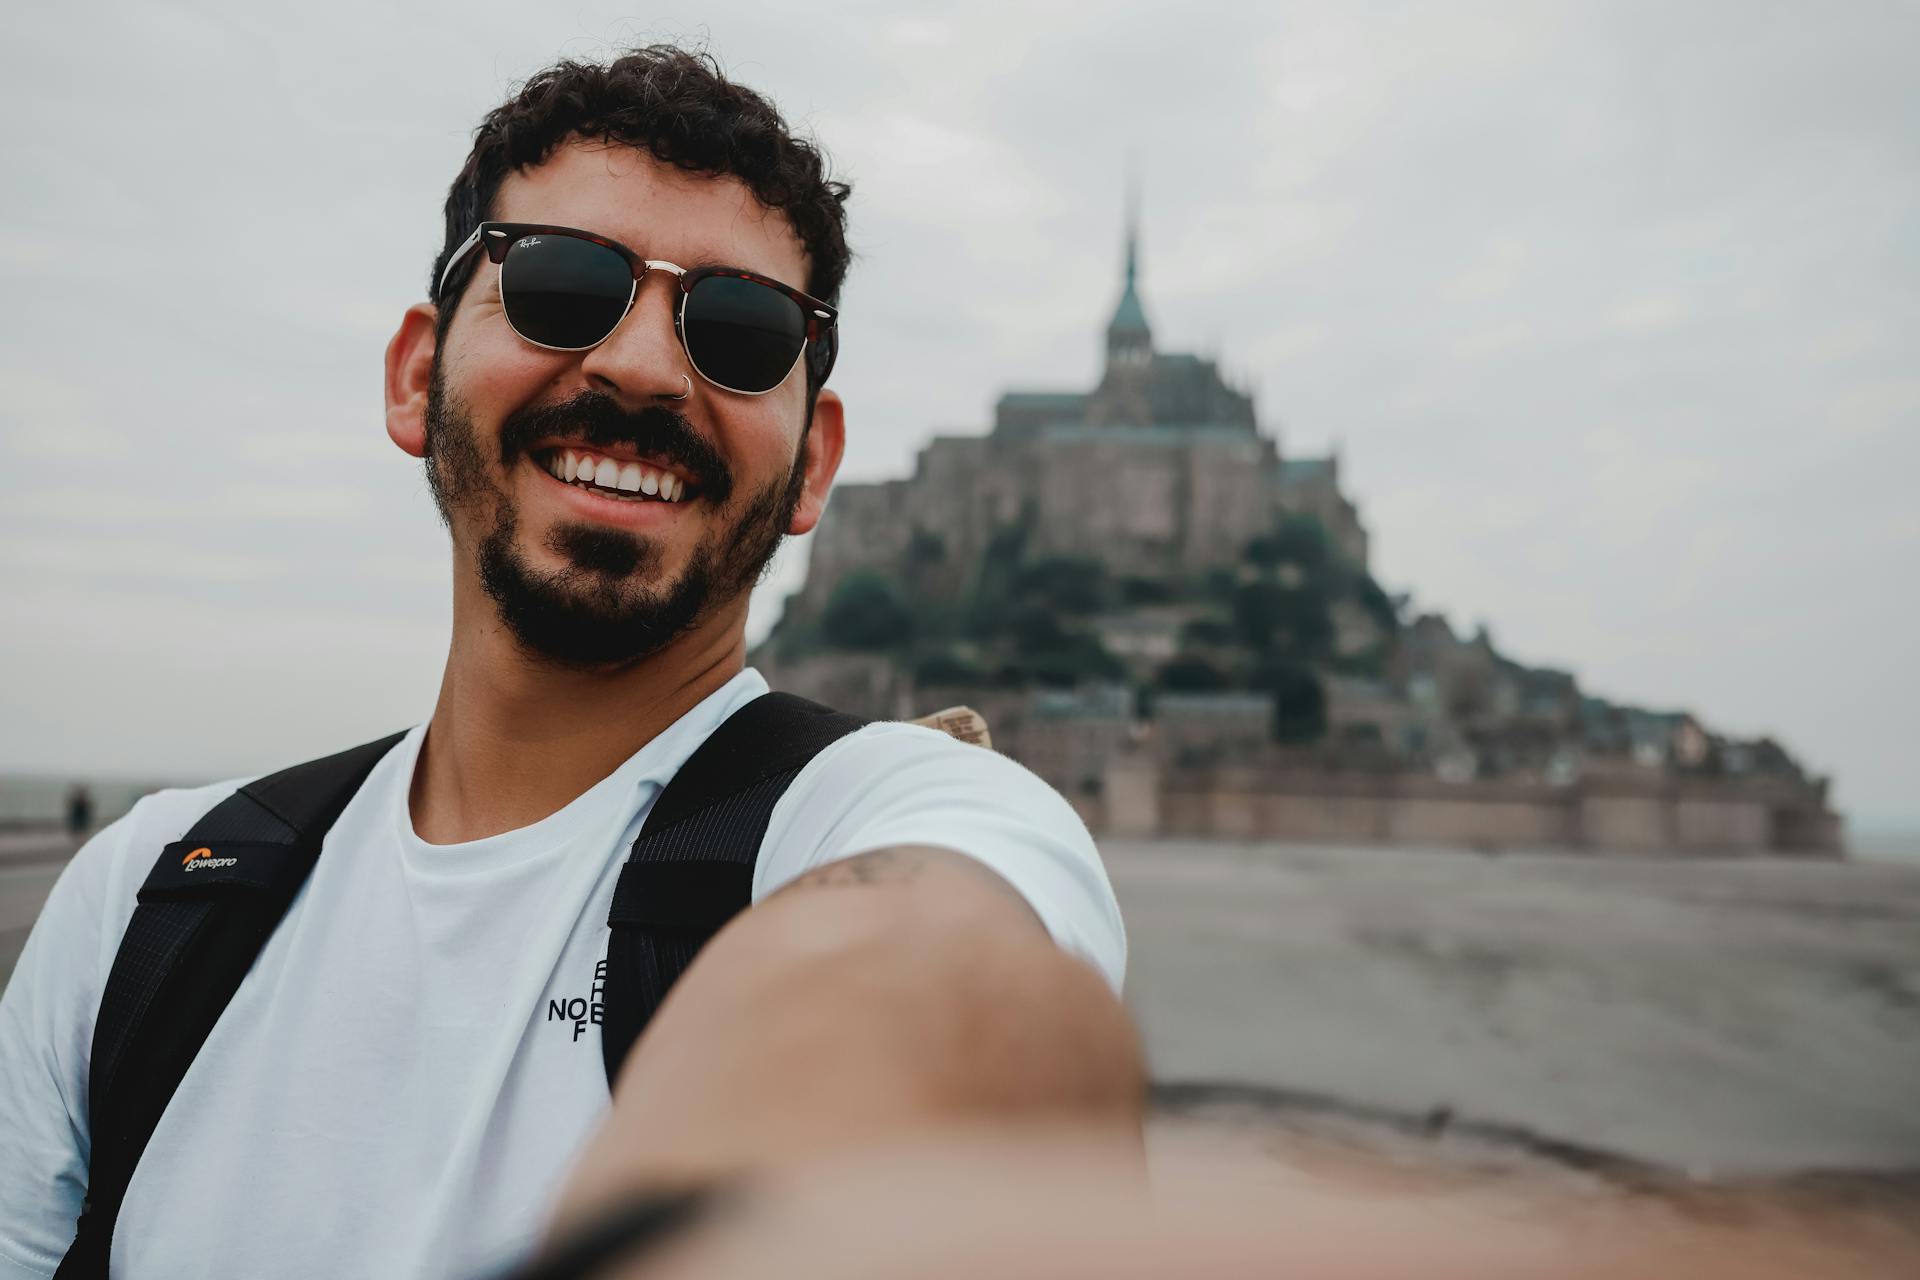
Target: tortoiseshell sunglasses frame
[818,348]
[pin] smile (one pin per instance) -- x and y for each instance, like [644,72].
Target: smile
[615,478]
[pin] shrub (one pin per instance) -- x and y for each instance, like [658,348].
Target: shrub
[1189,674]
[868,612]
[1070,584]
[1299,702]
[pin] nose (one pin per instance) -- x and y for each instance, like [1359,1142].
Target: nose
[641,361]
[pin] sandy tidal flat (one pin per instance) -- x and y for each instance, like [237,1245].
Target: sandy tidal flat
[1716,1017]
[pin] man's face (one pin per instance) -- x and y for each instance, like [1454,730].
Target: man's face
[580,576]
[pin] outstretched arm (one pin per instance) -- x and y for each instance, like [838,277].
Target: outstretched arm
[903,990]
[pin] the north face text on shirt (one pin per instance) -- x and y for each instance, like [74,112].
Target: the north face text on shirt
[581,1011]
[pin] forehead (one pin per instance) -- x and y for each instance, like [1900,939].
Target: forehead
[655,209]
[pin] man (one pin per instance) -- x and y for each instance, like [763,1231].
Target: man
[407,1074]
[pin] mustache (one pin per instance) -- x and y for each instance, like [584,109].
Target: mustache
[595,418]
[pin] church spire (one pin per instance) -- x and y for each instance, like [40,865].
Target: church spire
[1129,340]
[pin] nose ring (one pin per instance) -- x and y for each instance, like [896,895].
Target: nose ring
[684,394]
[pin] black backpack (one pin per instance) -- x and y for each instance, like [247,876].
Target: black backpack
[215,896]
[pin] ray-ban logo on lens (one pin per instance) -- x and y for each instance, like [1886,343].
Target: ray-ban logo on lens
[202,859]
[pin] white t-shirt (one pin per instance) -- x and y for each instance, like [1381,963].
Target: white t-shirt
[408,1072]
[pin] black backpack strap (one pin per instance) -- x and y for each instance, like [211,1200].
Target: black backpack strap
[691,869]
[211,902]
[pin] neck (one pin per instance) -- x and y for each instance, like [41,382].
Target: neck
[514,738]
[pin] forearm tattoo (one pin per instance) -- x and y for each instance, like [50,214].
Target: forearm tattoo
[900,864]
[880,866]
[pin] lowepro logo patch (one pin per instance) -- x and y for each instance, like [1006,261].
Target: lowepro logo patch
[202,859]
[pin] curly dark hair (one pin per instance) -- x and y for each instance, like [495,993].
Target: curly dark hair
[677,105]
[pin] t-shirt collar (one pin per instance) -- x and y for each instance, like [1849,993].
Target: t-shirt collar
[614,799]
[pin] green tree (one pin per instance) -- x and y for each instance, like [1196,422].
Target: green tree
[946,667]
[1219,582]
[1370,663]
[1076,658]
[1190,674]
[1070,584]
[867,612]
[1285,622]
[1216,632]
[1378,604]
[1284,610]
[925,548]
[1135,590]
[1303,540]
[1035,628]
[1299,700]
[991,603]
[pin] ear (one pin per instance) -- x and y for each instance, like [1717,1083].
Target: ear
[409,374]
[826,441]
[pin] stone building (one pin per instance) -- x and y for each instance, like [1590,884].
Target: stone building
[1160,471]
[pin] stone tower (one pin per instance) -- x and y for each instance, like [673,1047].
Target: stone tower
[1159,471]
[1129,339]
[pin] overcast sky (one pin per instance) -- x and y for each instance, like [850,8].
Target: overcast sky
[1612,309]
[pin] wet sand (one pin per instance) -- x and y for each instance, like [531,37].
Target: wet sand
[1714,1018]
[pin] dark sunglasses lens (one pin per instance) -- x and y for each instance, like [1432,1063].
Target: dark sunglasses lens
[561,291]
[741,334]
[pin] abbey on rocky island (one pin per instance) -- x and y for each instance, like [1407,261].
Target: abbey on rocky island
[1175,624]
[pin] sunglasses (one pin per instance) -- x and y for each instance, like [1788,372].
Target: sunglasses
[567,290]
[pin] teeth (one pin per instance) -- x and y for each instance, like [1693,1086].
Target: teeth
[605,473]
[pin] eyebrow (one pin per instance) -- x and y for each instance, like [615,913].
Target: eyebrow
[701,264]
[704,263]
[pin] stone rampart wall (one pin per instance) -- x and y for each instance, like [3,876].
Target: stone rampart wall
[1703,816]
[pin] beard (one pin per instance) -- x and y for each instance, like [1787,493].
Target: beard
[605,607]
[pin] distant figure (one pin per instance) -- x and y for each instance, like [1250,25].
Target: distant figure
[79,810]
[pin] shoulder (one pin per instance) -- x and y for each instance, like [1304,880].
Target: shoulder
[62,969]
[170,812]
[892,783]
[894,768]
[95,893]
[157,818]
[896,757]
